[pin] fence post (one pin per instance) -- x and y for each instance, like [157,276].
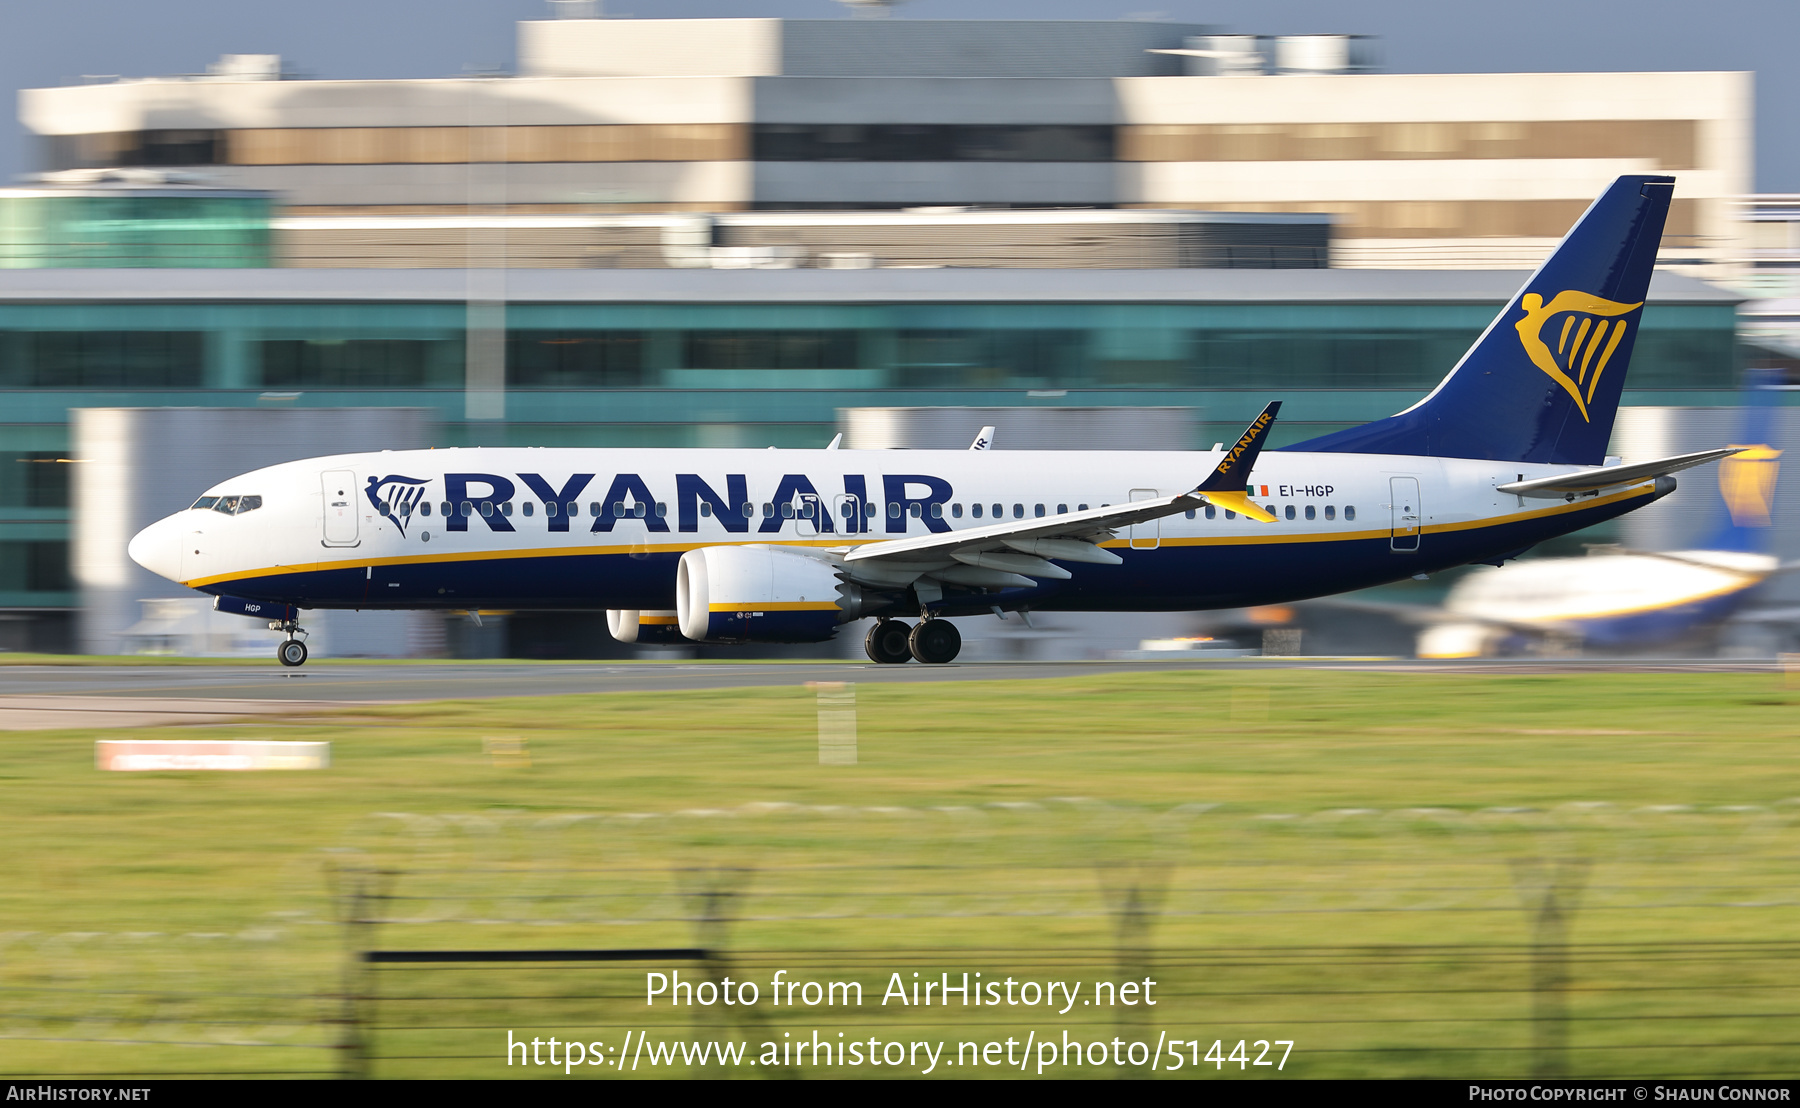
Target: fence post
[1553,893]
[357,893]
[1134,894]
[710,892]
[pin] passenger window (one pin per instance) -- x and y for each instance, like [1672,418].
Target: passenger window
[1310,513]
[1081,507]
[806,509]
[749,510]
[787,511]
[549,507]
[1018,511]
[506,508]
[468,508]
[487,507]
[1038,511]
[1290,511]
[203,502]
[849,509]
[1270,508]
[975,510]
[999,510]
[893,509]
[1190,513]
[1062,509]
[1349,511]
[1212,512]
[593,509]
[425,508]
[1330,511]
[526,507]
[937,511]
[915,511]
[572,508]
[706,508]
[956,511]
[768,510]
[640,509]
[618,509]
[1230,514]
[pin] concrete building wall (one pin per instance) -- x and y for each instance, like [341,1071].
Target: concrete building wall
[850,48]
[138,465]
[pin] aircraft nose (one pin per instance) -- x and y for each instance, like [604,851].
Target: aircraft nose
[157,548]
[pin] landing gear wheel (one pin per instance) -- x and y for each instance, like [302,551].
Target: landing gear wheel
[935,641]
[887,642]
[292,653]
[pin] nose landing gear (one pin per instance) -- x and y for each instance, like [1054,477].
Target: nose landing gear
[292,651]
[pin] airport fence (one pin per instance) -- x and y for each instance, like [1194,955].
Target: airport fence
[1586,940]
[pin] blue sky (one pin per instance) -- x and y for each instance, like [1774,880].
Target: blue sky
[49,43]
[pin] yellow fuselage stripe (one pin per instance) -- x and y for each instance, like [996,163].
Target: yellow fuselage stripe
[1251,539]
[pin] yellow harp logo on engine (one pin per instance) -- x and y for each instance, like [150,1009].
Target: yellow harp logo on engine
[1589,331]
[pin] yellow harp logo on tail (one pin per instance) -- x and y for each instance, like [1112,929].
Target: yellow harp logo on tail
[1584,342]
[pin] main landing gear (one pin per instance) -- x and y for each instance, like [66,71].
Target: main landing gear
[933,641]
[292,651]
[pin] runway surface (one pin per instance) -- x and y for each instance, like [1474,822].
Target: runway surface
[199,687]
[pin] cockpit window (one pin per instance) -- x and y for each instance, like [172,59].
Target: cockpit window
[230,505]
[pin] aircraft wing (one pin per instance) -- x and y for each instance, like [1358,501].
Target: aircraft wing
[1011,554]
[1559,485]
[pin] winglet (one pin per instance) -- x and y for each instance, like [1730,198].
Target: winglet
[1232,474]
[983,441]
[1228,484]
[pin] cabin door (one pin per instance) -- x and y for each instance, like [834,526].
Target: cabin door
[339,487]
[1408,517]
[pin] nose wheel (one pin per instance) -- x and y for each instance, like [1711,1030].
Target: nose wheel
[292,651]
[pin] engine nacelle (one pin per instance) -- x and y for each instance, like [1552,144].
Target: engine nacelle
[631,625]
[761,594]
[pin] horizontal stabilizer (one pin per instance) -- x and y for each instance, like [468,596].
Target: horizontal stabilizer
[1589,480]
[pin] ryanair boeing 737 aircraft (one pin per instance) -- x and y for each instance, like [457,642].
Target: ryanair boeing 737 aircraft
[789,545]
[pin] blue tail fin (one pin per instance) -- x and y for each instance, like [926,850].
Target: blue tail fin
[1542,383]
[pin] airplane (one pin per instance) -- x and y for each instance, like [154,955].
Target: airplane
[735,546]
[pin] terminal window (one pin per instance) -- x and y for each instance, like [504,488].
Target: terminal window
[103,359]
[931,142]
[574,359]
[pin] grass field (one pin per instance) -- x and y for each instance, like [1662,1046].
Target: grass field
[1358,859]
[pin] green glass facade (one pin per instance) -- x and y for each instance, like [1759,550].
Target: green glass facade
[135,230]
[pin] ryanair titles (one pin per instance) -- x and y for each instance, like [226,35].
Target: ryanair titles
[468,497]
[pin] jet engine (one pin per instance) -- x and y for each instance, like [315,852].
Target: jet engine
[631,625]
[761,594]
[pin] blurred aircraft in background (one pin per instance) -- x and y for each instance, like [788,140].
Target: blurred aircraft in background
[1616,598]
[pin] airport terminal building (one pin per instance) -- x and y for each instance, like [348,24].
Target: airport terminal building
[735,232]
